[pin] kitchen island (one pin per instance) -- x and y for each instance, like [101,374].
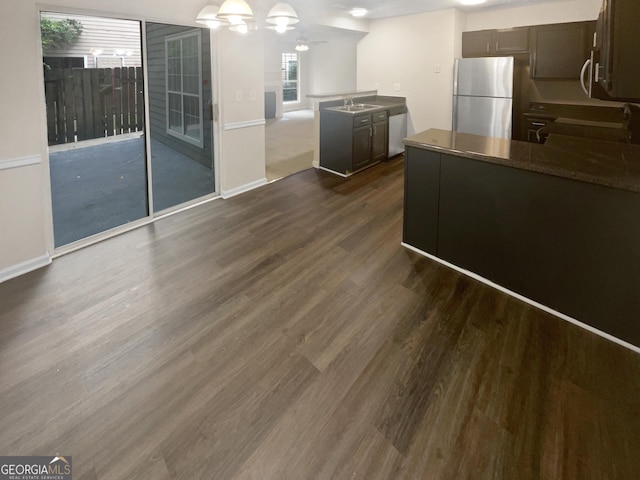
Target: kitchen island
[557,225]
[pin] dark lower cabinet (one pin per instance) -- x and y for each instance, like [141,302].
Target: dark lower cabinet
[569,245]
[422,193]
[361,148]
[380,137]
[349,143]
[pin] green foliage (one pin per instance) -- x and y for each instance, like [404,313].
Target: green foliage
[59,34]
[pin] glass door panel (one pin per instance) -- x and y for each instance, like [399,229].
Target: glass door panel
[95,123]
[180,120]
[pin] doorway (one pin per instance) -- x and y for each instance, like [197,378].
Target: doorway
[289,137]
[108,168]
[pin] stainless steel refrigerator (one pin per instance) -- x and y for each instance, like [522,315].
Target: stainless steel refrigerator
[483,96]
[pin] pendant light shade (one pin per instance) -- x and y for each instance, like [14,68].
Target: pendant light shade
[209,16]
[282,15]
[235,10]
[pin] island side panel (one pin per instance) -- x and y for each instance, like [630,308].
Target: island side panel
[569,245]
[422,192]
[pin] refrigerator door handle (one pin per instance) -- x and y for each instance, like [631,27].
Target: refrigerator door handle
[455,77]
[455,113]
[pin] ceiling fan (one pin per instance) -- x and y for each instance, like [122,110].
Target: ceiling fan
[303,43]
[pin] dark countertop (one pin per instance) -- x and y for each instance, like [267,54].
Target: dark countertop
[610,164]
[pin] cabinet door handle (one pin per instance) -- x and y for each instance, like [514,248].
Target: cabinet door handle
[538,124]
[585,67]
[487,47]
[364,120]
[497,46]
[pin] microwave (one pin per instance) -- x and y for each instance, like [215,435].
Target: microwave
[612,72]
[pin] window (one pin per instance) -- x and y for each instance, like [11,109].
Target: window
[184,87]
[290,77]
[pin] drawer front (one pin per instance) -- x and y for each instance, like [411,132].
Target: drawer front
[380,117]
[533,125]
[361,121]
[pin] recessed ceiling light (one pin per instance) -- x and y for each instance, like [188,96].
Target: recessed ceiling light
[472,2]
[358,12]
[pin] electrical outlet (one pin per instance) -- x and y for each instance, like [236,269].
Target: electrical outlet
[376,85]
[436,68]
[396,87]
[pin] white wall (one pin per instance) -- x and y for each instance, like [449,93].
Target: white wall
[332,66]
[26,233]
[407,51]
[242,142]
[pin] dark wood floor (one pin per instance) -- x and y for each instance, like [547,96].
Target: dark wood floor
[286,334]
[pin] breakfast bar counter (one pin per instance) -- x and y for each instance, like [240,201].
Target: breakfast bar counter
[555,224]
[610,164]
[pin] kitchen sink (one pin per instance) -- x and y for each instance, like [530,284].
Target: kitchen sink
[355,108]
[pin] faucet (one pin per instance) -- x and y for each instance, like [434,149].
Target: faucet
[348,100]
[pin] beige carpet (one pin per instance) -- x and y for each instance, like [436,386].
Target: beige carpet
[289,144]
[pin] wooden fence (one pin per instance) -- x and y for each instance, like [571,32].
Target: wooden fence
[85,103]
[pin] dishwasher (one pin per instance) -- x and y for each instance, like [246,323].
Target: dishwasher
[397,130]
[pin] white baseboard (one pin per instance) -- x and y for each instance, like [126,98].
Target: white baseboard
[525,299]
[243,188]
[334,172]
[24,267]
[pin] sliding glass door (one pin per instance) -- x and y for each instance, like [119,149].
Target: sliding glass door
[99,146]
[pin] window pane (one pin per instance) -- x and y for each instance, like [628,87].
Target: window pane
[290,77]
[190,84]
[184,85]
[175,112]
[190,46]
[192,117]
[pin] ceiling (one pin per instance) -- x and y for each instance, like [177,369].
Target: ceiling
[310,11]
[393,8]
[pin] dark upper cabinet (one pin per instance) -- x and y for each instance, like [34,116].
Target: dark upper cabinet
[476,44]
[615,57]
[558,51]
[488,43]
[511,41]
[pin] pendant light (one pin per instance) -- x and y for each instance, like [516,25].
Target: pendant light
[281,17]
[209,16]
[235,12]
